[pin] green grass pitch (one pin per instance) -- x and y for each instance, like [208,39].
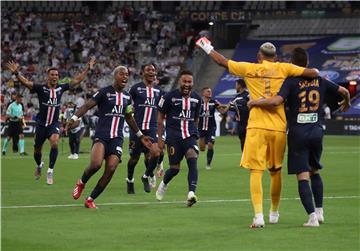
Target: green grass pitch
[54,221]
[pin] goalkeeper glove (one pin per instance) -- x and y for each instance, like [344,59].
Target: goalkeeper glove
[205,44]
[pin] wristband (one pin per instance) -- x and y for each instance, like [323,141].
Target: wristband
[75,118]
[139,134]
[16,73]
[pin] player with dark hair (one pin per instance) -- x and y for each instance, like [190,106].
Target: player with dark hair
[145,96]
[265,136]
[207,123]
[47,122]
[239,106]
[114,105]
[305,97]
[181,108]
[15,116]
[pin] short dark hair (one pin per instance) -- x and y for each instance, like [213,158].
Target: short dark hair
[299,57]
[241,82]
[148,64]
[185,72]
[205,88]
[52,69]
[19,95]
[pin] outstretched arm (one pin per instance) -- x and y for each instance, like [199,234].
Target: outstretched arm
[14,68]
[205,44]
[266,102]
[80,77]
[345,103]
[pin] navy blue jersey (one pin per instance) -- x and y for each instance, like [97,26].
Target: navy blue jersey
[241,109]
[305,98]
[181,113]
[49,102]
[145,101]
[112,107]
[207,115]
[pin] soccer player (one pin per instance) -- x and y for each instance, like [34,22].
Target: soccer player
[47,123]
[305,98]
[207,123]
[16,122]
[114,105]
[181,108]
[145,96]
[74,133]
[239,105]
[265,137]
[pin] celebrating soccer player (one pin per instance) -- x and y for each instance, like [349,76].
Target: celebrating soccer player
[181,108]
[265,137]
[305,98]
[115,107]
[47,121]
[145,96]
[207,123]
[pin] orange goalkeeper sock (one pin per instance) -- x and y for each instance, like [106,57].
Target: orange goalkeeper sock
[256,190]
[275,190]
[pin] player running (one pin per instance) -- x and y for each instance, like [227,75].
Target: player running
[181,108]
[207,123]
[305,98]
[47,121]
[115,107]
[145,96]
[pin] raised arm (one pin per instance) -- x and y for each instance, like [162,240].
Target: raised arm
[205,44]
[266,102]
[345,103]
[14,68]
[80,77]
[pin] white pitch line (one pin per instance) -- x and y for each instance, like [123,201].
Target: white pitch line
[163,202]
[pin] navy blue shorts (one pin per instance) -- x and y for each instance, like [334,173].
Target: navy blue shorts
[112,146]
[44,132]
[304,150]
[135,145]
[177,148]
[209,135]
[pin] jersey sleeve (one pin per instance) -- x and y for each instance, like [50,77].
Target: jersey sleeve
[164,104]
[238,68]
[198,107]
[65,87]
[8,110]
[132,93]
[292,70]
[285,89]
[36,88]
[98,96]
[330,85]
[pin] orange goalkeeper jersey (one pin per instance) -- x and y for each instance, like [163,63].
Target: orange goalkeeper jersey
[264,80]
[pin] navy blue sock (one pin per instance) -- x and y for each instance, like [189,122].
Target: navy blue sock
[37,157]
[209,155]
[131,168]
[151,167]
[317,189]
[193,173]
[96,192]
[52,156]
[169,174]
[306,196]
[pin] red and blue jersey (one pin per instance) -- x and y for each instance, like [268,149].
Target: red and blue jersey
[239,106]
[207,115]
[49,102]
[181,114]
[145,101]
[305,98]
[112,106]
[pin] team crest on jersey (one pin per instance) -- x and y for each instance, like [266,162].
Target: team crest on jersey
[108,94]
[173,100]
